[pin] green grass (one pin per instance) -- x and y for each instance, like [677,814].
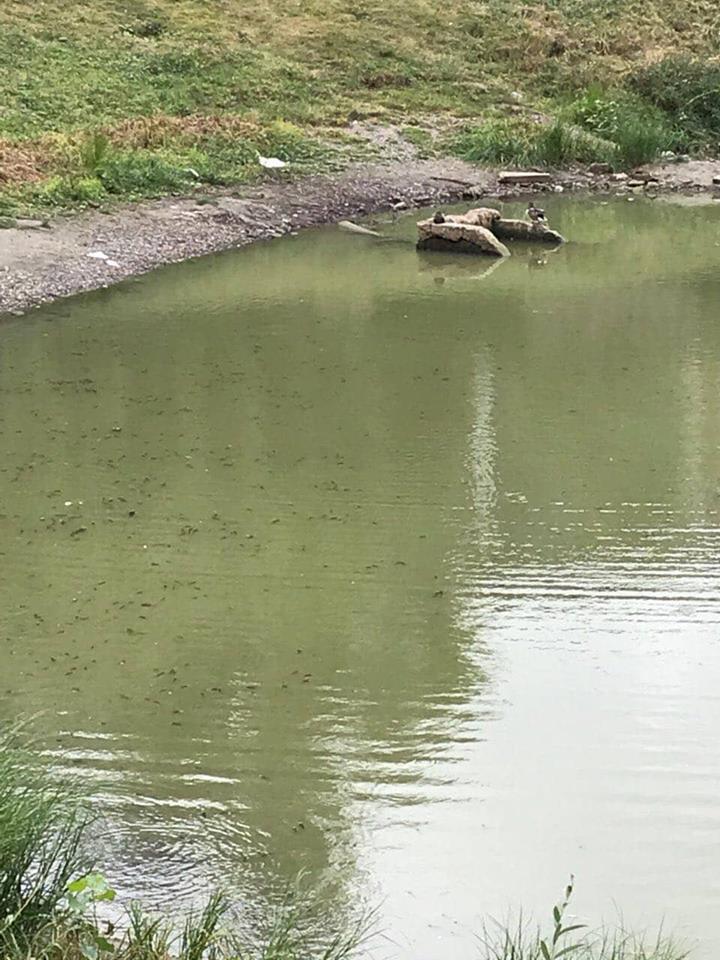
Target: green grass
[689,91]
[420,138]
[639,130]
[521,941]
[160,156]
[616,127]
[75,68]
[510,143]
[568,937]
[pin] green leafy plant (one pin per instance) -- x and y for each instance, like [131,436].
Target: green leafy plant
[522,941]
[86,892]
[66,191]
[142,173]
[83,896]
[552,949]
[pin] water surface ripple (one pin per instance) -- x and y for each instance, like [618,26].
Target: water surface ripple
[326,556]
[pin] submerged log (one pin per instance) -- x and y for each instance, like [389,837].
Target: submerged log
[524,230]
[456,235]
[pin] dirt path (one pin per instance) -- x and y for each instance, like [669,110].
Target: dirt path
[37,266]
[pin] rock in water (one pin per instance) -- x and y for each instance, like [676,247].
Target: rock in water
[478,216]
[524,230]
[458,236]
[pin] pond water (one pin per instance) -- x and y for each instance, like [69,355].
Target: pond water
[396,569]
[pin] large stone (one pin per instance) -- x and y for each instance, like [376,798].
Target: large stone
[456,236]
[600,169]
[524,177]
[478,216]
[524,230]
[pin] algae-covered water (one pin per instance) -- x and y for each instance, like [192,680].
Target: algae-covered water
[399,570]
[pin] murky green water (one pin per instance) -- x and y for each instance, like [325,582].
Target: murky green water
[325,556]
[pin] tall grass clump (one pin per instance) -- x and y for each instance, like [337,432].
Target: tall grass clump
[688,90]
[291,932]
[639,130]
[94,151]
[148,937]
[561,144]
[618,128]
[497,141]
[213,933]
[558,143]
[42,822]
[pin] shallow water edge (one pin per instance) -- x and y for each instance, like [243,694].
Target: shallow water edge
[38,267]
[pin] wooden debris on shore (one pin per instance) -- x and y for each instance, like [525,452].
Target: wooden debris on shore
[524,178]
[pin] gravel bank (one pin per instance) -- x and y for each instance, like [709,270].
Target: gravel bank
[37,266]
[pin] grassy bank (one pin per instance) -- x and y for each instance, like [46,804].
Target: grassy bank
[51,903]
[132,98]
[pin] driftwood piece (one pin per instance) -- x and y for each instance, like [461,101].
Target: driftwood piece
[351,227]
[524,177]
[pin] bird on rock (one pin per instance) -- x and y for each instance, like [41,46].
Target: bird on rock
[438,218]
[536,214]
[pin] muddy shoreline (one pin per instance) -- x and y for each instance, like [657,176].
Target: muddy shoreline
[97,249]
